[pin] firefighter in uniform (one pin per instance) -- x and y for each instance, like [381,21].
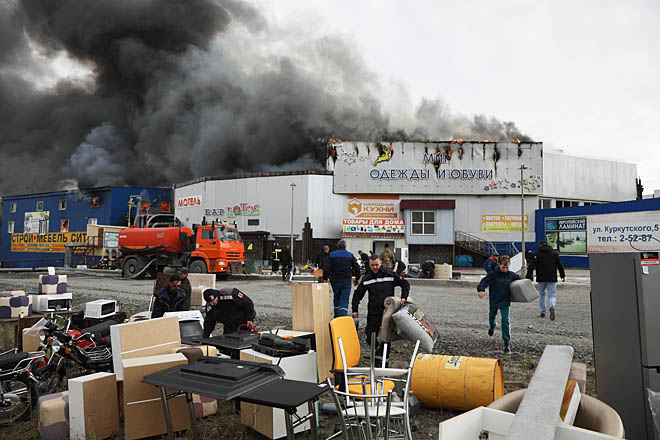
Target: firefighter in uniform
[380,283]
[276,257]
[228,306]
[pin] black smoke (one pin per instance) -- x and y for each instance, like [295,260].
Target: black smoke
[183,89]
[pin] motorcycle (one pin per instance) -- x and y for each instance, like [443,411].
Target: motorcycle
[19,377]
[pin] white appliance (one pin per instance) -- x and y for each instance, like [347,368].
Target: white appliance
[101,308]
[52,303]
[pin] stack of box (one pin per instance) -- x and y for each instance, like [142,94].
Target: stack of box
[53,293]
[15,304]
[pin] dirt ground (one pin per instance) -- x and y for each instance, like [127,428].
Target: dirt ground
[461,317]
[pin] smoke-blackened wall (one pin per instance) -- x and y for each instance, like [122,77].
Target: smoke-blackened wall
[183,89]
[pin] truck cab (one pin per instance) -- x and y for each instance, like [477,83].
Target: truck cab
[216,247]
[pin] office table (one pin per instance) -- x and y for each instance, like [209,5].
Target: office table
[230,344]
[245,381]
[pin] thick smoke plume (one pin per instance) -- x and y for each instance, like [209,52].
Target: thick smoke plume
[184,89]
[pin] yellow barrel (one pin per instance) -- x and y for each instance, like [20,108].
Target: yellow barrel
[457,382]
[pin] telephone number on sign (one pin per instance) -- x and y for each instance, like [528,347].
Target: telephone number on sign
[631,238]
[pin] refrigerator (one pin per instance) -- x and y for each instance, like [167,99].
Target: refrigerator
[625,316]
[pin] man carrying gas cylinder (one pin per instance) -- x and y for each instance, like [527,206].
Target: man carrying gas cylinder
[229,306]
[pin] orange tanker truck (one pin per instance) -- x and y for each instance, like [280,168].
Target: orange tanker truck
[207,248]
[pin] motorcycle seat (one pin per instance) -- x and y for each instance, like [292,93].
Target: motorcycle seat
[10,360]
[101,330]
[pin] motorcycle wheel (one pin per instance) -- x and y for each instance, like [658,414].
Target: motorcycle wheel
[15,400]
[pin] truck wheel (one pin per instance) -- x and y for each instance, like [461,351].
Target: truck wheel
[198,266]
[132,267]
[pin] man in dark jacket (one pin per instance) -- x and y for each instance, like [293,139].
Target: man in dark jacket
[499,298]
[170,298]
[321,260]
[228,306]
[340,269]
[287,263]
[490,264]
[380,283]
[546,263]
[185,287]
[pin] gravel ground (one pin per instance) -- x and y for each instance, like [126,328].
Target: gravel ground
[461,317]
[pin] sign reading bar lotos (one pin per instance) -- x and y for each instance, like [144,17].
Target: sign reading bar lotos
[624,232]
[436,167]
[51,242]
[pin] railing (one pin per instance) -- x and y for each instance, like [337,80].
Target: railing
[474,243]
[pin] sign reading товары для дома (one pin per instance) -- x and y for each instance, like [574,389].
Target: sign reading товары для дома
[436,167]
[624,232]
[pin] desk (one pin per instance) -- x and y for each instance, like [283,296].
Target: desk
[227,344]
[245,381]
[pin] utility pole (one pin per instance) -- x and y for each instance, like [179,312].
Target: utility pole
[522,219]
[293,186]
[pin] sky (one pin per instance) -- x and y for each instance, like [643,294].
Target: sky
[582,76]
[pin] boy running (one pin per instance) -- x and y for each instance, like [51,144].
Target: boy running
[498,281]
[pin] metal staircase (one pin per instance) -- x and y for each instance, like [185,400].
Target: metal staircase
[482,247]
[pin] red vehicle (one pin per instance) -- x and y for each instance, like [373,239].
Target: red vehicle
[207,248]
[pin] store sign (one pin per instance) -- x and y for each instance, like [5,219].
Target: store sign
[36,222]
[189,202]
[567,235]
[365,206]
[624,232]
[50,242]
[502,223]
[234,211]
[110,240]
[436,167]
[649,259]
[374,226]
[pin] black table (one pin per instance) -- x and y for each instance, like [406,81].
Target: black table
[230,344]
[245,381]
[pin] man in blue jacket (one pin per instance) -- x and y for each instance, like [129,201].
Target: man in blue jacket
[339,269]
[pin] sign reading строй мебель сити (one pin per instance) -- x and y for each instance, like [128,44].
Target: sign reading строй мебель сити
[624,232]
[436,167]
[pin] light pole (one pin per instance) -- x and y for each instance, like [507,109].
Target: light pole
[522,219]
[293,186]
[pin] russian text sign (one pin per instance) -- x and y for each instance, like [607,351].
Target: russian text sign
[624,232]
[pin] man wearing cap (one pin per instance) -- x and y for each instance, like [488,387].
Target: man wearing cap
[170,298]
[228,306]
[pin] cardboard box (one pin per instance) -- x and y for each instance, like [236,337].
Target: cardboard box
[310,312]
[143,409]
[31,341]
[199,283]
[93,409]
[143,338]
[270,421]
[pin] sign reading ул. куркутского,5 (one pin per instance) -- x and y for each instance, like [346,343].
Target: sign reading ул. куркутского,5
[624,232]
[436,167]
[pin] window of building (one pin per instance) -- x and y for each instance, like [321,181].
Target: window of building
[253,222]
[64,225]
[40,205]
[62,204]
[423,223]
[12,207]
[10,227]
[545,203]
[92,221]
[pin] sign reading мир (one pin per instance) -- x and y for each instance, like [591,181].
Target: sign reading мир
[436,167]
[624,232]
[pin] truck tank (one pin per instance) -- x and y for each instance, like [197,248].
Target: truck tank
[163,241]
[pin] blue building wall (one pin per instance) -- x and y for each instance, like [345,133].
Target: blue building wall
[605,208]
[112,209]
